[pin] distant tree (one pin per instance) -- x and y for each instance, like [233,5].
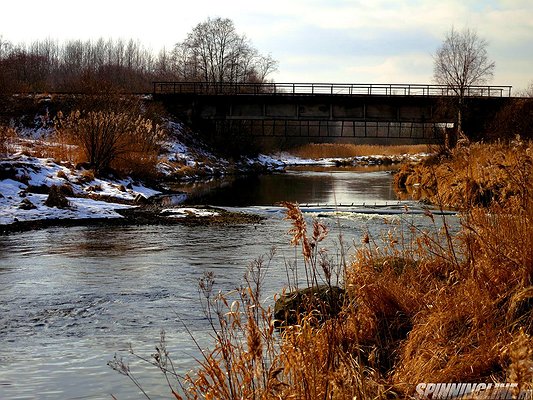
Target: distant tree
[5,47]
[527,92]
[214,52]
[462,61]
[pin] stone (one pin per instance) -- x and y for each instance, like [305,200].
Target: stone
[324,301]
[140,199]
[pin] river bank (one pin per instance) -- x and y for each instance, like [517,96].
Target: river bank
[36,162]
[478,175]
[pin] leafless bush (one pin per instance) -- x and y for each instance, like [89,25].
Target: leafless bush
[113,140]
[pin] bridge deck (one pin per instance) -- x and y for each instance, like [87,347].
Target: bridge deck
[340,89]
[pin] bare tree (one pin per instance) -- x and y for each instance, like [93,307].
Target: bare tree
[527,92]
[214,52]
[460,62]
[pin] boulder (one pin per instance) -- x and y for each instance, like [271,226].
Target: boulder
[140,199]
[323,301]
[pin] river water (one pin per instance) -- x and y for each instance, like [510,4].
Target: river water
[72,298]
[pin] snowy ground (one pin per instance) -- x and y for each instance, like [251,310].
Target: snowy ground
[22,192]
[279,161]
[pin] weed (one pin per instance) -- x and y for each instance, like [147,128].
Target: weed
[473,176]
[7,136]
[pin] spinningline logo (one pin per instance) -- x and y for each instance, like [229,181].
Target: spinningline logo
[485,391]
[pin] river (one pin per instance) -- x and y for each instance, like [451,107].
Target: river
[72,298]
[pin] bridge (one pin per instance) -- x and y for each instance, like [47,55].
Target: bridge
[324,111]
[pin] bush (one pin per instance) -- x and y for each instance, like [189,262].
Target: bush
[56,198]
[477,175]
[122,141]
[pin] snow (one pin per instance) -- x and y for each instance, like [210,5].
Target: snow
[282,160]
[80,208]
[38,172]
[188,212]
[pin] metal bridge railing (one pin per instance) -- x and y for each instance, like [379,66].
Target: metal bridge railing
[326,89]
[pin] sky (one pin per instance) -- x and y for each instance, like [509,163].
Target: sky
[333,41]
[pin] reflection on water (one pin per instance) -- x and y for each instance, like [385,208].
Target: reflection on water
[72,297]
[317,185]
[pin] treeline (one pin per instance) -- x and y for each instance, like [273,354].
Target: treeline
[76,66]
[212,52]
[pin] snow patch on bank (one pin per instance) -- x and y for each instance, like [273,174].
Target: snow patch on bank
[27,179]
[279,161]
[188,212]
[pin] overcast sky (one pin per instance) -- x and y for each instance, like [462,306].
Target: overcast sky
[344,41]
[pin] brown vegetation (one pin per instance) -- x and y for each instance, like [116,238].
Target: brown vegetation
[56,198]
[7,135]
[418,306]
[332,150]
[121,141]
[480,174]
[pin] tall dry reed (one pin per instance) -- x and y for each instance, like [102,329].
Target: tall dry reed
[7,136]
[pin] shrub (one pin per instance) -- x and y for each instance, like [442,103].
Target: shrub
[477,175]
[114,140]
[56,198]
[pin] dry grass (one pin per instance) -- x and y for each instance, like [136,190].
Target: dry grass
[419,307]
[479,174]
[7,136]
[332,150]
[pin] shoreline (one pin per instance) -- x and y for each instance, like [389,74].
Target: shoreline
[138,216]
[26,182]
